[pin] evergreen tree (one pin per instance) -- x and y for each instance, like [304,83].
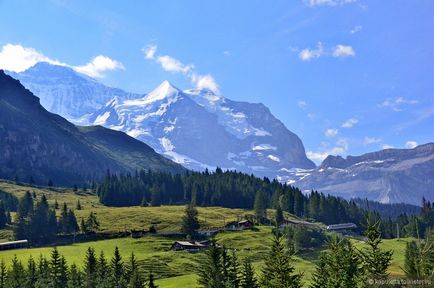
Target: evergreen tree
[3,274]
[103,272]
[31,275]
[411,267]
[190,222]
[3,217]
[16,274]
[43,279]
[92,223]
[338,267]
[117,269]
[155,195]
[151,283]
[278,271]
[210,268]
[279,216]
[75,277]
[78,206]
[58,270]
[260,206]
[248,279]
[375,260]
[90,269]
[25,205]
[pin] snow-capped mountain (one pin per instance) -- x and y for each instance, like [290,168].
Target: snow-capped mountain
[195,128]
[200,129]
[65,92]
[387,176]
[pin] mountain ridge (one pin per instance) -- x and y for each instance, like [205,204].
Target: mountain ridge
[37,144]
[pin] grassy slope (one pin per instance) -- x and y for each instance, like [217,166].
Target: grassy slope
[174,269]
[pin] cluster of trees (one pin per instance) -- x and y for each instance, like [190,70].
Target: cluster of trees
[223,188]
[8,203]
[341,265]
[97,272]
[38,223]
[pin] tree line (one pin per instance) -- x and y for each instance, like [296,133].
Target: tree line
[97,272]
[223,188]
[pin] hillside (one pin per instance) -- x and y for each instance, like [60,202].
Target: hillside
[36,144]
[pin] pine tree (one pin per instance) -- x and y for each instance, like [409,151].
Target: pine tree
[248,279]
[58,270]
[3,274]
[3,217]
[278,271]
[375,260]
[117,269]
[92,223]
[156,195]
[103,272]
[338,267]
[190,222]
[151,283]
[210,268]
[16,274]
[78,206]
[279,216]
[90,268]
[43,279]
[411,267]
[31,275]
[75,277]
[260,206]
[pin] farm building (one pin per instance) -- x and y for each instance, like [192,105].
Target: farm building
[189,246]
[342,228]
[14,245]
[239,225]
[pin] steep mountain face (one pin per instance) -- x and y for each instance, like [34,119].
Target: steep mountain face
[195,128]
[36,143]
[67,93]
[200,129]
[387,176]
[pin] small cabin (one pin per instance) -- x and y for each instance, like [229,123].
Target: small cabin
[189,246]
[14,245]
[342,228]
[239,225]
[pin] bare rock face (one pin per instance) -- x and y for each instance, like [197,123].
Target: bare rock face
[388,176]
[36,143]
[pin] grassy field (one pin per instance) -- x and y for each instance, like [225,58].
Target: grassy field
[176,269]
[172,269]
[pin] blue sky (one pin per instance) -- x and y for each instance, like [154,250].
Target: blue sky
[347,76]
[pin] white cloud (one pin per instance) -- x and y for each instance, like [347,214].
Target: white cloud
[205,81]
[98,66]
[387,146]
[350,123]
[311,116]
[356,29]
[371,140]
[313,3]
[18,58]
[411,144]
[331,132]
[150,51]
[302,104]
[343,51]
[308,54]
[397,103]
[227,53]
[340,148]
[171,64]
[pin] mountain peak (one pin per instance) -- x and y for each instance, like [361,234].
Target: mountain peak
[164,90]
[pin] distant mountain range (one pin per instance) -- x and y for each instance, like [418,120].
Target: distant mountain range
[387,176]
[36,143]
[195,128]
